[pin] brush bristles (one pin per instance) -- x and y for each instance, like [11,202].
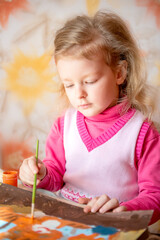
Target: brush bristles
[32,210]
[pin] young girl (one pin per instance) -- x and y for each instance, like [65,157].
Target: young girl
[105,151]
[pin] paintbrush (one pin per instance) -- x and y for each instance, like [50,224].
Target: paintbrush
[34,185]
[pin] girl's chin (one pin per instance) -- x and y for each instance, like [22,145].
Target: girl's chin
[89,113]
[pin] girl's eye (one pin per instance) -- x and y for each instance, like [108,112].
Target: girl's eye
[90,82]
[68,86]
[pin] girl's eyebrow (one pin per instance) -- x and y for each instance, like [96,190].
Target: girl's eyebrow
[85,76]
[91,74]
[66,80]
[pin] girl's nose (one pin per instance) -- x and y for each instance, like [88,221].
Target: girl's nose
[80,91]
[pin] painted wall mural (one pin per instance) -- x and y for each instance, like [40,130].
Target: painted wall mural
[28,78]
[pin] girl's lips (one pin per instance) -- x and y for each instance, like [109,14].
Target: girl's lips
[84,105]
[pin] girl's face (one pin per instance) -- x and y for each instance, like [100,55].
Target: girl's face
[91,86]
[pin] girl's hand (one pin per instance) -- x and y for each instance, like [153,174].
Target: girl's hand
[29,168]
[101,204]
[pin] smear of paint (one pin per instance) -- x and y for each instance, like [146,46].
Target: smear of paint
[5,226]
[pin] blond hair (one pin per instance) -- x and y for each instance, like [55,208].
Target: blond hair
[107,34]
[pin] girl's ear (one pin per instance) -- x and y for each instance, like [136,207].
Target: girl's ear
[121,72]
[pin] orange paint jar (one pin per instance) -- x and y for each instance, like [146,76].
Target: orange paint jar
[10,177]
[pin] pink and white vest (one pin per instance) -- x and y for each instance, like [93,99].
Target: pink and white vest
[107,169]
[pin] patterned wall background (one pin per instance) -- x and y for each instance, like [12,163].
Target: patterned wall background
[28,74]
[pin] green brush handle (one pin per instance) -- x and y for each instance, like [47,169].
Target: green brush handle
[35,176]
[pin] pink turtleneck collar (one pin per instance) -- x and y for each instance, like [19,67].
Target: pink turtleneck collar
[108,114]
[97,129]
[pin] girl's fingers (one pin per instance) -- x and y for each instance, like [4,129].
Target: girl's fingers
[99,203]
[102,204]
[83,200]
[111,204]
[38,181]
[24,170]
[26,178]
[88,207]
[96,203]
[27,170]
[120,209]
[42,170]
[32,165]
